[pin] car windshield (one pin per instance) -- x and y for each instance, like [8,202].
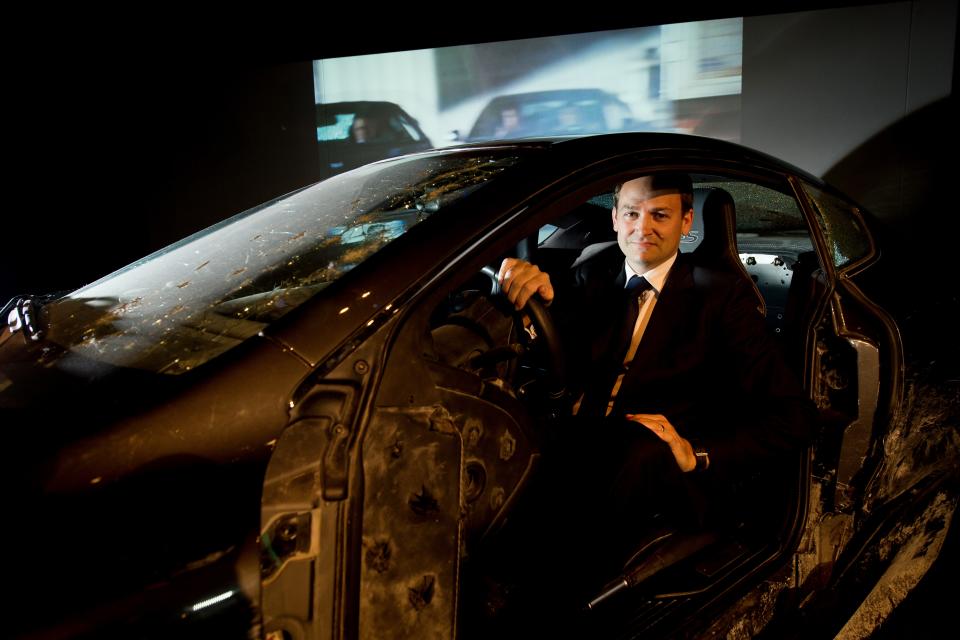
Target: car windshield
[195,299]
[550,113]
[365,124]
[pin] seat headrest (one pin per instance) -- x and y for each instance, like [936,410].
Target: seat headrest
[718,221]
[718,247]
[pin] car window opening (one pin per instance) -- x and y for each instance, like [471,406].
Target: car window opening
[771,244]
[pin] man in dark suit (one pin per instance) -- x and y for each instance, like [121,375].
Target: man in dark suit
[683,391]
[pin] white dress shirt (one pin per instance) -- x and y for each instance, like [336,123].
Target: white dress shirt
[657,277]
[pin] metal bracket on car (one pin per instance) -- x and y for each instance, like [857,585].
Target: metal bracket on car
[329,409]
[335,465]
[857,436]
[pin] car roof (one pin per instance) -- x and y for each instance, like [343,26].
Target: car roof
[361,108]
[357,105]
[581,148]
[553,93]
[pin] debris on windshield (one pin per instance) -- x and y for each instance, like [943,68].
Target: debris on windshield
[169,314]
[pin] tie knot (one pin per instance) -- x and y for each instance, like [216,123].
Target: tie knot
[637,285]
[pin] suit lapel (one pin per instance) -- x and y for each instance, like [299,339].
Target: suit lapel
[673,305]
[605,305]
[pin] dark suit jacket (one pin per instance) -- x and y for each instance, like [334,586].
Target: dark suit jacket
[705,361]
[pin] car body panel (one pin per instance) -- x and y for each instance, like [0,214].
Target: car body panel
[547,196]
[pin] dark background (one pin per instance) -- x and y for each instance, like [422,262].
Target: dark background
[132,132]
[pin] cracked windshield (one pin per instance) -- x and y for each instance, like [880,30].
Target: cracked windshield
[193,300]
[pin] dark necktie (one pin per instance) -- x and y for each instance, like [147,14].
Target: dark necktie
[600,387]
[634,289]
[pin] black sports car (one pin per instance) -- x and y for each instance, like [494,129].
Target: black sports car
[557,112]
[315,419]
[351,134]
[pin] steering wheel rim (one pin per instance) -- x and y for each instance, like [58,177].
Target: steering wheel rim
[546,334]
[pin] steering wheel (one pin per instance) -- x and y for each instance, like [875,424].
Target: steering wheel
[540,336]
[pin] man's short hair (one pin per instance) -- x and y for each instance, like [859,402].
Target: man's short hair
[673,181]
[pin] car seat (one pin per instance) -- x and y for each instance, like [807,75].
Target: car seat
[718,248]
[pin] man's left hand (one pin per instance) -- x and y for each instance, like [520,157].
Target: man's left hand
[680,447]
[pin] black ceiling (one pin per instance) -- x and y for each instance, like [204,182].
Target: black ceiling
[268,34]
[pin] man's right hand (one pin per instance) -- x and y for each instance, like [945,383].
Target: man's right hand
[519,280]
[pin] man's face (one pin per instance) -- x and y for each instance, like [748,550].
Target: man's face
[649,223]
[360,133]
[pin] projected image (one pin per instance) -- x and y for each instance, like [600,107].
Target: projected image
[351,134]
[678,77]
